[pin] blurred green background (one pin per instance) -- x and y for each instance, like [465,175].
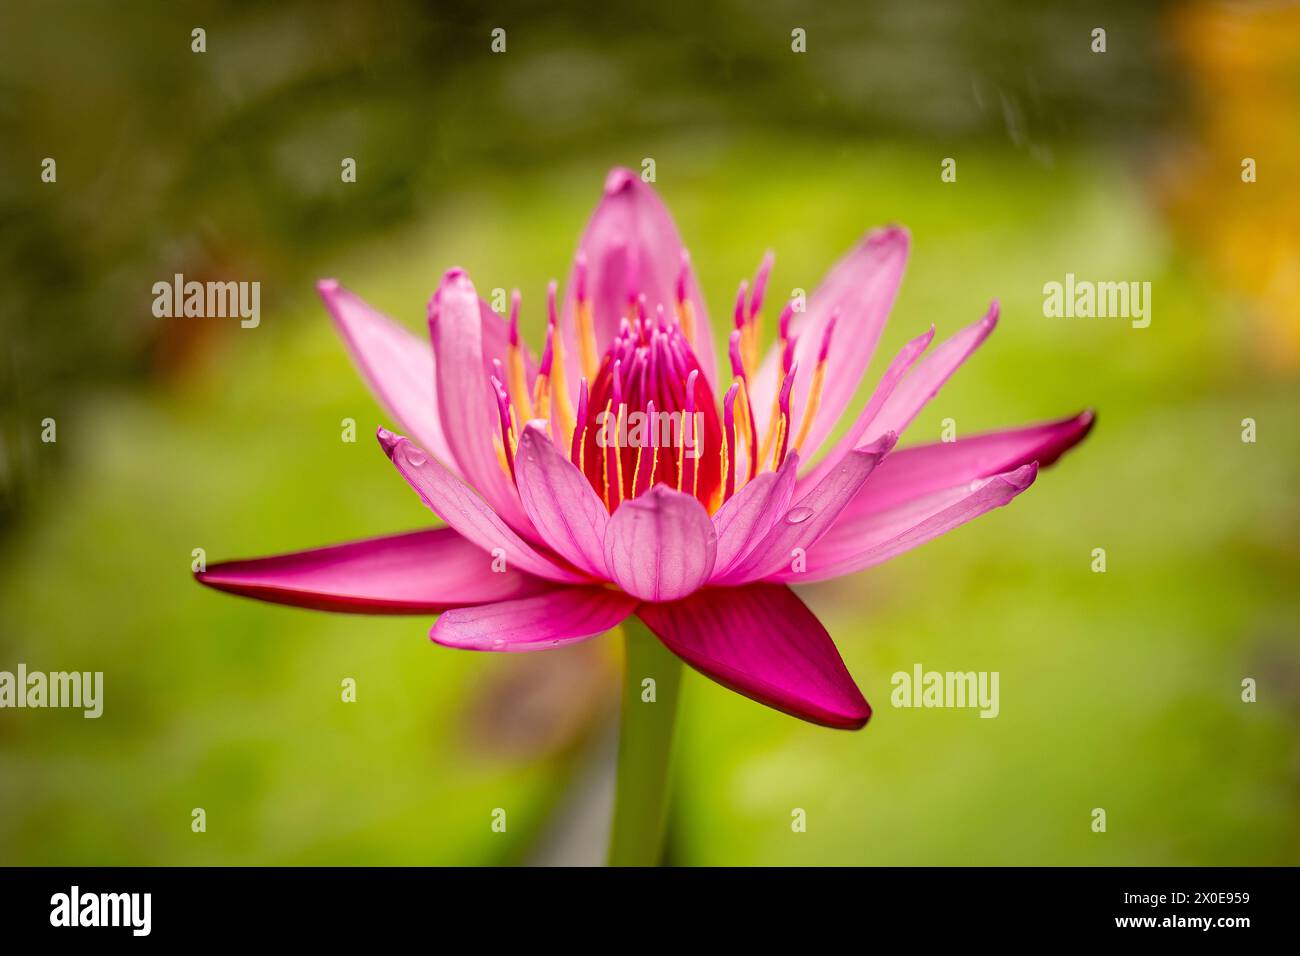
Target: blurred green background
[1118,690]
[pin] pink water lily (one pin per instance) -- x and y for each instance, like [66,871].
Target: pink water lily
[553,536]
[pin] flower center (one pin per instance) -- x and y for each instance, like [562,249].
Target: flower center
[646,413]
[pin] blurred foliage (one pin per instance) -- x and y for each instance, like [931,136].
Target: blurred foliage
[226,163]
[1118,690]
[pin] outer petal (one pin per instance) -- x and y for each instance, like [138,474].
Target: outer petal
[398,365]
[761,641]
[420,572]
[560,502]
[558,617]
[631,243]
[466,406]
[811,516]
[911,473]
[457,504]
[856,544]
[660,546]
[936,368]
[866,420]
[748,516]
[862,286]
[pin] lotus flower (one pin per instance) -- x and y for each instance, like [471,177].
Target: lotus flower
[554,535]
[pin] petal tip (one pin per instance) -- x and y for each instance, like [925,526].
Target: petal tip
[1023,477]
[387,440]
[620,178]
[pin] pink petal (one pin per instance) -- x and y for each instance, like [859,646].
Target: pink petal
[457,504]
[396,364]
[631,243]
[560,502]
[862,286]
[558,617]
[660,546]
[936,368]
[912,472]
[419,572]
[854,543]
[866,420]
[810,517]
[467,406]
[761,641]
[746,518]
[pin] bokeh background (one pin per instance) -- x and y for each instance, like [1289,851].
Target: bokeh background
[1119,690]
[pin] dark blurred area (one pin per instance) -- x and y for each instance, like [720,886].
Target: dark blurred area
[228,161]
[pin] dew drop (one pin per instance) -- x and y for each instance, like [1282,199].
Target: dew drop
[798,515]
[415,457]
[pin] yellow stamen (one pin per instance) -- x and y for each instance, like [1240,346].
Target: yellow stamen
[686,315]
[618,457]
[587,342]
[563,404]
[810,410]
[770,434]
[542,400]
[518,384]
[604,453]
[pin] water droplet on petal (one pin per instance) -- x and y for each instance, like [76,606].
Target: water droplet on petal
[798,515]
[414,456]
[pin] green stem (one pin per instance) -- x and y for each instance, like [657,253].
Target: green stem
[644,748]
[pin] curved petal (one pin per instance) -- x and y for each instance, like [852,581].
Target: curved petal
[860,543]
[810,517]
[866,420]
[746,518]
[420,572]
[660,546]
[467,407]
[861,287]
[399,366]
[910,473]
[631,244]
[560,502]
[395,363]
[761,641]
[936,368]
[456,503]
[558,617]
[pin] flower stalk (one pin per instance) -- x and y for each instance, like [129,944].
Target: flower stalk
[649,714]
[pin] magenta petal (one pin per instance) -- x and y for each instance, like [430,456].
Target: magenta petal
[467,406]
[457,504]
[855,542]
[419,572]
[631,244]
[761,641]
[746,518]
[910,473]
[861,287]
[803,524]
[560,502]
[660,546]
[558,617]
[929,375]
